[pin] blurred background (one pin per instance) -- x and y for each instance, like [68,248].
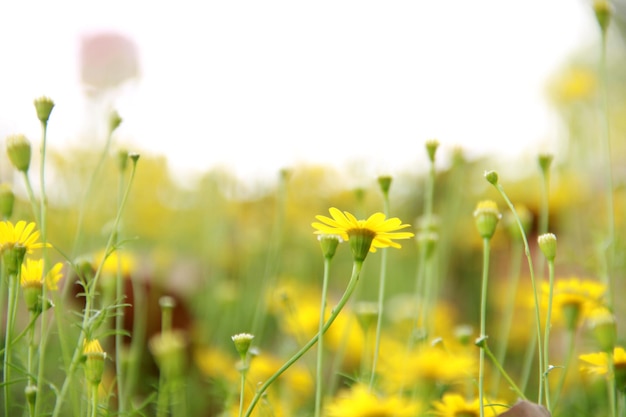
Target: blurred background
[253,117]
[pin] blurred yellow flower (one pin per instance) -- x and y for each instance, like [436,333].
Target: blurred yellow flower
[426,365]
[359,401]
[123,260]
[455,405]
[598,363]
[574,298]
[344,224]
[574,84]
[32,275]
[21,234]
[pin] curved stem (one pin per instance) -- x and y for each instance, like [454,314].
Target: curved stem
[356,270]
[483,321]
[534,285]
[319,372]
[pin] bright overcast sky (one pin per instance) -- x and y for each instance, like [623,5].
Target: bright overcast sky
[261,85]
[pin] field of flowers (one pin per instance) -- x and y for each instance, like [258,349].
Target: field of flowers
[467,288]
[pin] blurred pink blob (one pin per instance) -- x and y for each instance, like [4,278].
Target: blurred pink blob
[107,60]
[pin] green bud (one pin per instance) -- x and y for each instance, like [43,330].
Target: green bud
[366,314]
[242,343]
[603,12]
[431,149]
[30,392]
[492,177]
[7,201]
[545,160]
[44,106]
[602,324]
[486,216]
[547,244]
[384,183]
[114,121]
[481,342]
[18,149]
[169,350]
[329,244]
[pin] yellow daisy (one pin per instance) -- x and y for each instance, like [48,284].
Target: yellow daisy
[375,232]
[598,364]
[455,405]
[20,234]
[359,401]
[32,275]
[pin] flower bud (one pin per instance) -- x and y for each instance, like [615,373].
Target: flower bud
[329,244]
[602,324]
[486,216]
[114,121]
[169,350]
[7,200]
[603,12]
[545,160]
[242,343]
[44,106]
[492,177]
[94,361]
[366,314]
[18,149]
[431,149]
[547,244]
[384,183]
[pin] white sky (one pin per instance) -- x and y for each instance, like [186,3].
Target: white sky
[261,85]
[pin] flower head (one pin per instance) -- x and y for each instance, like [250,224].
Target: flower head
[487,217]
[44,106]
[598,364]
[359,401]
[32,275]
[455,405]
[574,298]
[363,235]
[19,235]
[19,152]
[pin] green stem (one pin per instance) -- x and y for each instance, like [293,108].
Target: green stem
[483,322]
[506,376]
[381,299]
[546,338]
[242,389]
[611,388]
[507,322]
[356,270]
[534,286]
[8,336]
[571,333]
[319,372]
[606,136]
[94,399]
[89,300]
[31,197]
[119,322]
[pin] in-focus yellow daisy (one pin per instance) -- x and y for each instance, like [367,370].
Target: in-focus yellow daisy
[32,275]
[359,401]
[375,232]
[21,234]
[455,405]
[598,364]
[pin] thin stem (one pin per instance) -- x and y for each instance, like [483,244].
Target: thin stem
[119,321]
[534,286]
[606,136]
[319,372]
[354,279]
[8,336]
[89,299]
[381,299]
[546,339]
[242,389]
[94,399]
[610,384]
[571,333]
[506,376]
[483,321]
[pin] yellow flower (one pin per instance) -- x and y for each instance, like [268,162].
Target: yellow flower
[32,275]
[376,232]
[21,234]
[598,364]
[574,298]
[359,401]
[126,263]
[455,405]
